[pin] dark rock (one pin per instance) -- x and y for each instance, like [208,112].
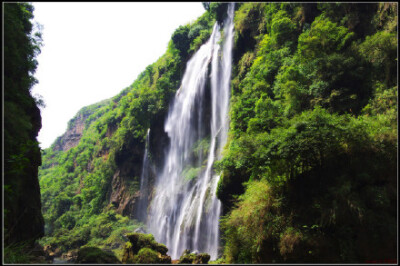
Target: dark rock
[23,220]
[95,255]
[38,250]
[202,258]
[39,255]
[51,252]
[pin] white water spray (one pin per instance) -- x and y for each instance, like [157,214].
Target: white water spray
[185,211]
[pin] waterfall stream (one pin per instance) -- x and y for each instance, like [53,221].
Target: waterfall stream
[141,209]
[185,212]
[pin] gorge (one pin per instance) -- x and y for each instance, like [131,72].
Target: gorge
[266,133]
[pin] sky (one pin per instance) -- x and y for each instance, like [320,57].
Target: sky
[92,51]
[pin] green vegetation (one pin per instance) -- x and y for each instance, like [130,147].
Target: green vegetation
[309,173]
[143,249]
[20,252]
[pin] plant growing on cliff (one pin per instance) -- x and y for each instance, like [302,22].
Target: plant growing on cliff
[22,123]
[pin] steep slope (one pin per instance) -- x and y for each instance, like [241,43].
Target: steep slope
[23,220]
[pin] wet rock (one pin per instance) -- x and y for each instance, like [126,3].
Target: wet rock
[142,248]
[96,255]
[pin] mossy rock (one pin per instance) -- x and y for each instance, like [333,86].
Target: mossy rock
[95,255]
[148,256]
[192,258]
[139,241]
[142,248]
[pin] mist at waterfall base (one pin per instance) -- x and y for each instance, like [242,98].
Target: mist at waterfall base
[184,212]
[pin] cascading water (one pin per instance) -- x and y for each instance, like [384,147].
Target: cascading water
[184,213]
[141,209]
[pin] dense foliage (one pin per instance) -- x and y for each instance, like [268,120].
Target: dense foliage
[23,220]
[309,174]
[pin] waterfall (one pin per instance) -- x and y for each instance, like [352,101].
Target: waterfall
[185,212]
[141,209]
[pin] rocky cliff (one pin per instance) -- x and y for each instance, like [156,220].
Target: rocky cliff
[23,220]
[75,128]
[72,136]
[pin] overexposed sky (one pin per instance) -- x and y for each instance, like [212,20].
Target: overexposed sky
[92,51]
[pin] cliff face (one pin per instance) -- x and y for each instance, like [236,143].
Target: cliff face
[124,193]
[23,220]
[73,134]
[23,216]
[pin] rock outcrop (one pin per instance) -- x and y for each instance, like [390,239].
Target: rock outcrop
[77,125]
[142,248]
[73,134]
[193,258]
[121,197]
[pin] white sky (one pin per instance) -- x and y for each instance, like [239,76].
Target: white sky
[92,51]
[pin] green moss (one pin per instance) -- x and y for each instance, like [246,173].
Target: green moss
[147,255]
[142,248]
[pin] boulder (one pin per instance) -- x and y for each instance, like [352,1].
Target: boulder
[142,248]
[194,258]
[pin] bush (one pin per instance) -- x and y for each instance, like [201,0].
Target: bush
[250,228]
